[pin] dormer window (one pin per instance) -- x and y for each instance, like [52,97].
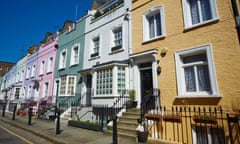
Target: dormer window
[71,27]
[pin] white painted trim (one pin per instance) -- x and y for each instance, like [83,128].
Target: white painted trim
[180,73]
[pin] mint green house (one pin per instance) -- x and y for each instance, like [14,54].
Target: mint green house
[69,60]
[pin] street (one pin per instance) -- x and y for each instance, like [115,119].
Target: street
[9,137]
[13,135]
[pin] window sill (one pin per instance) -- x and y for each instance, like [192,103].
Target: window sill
[74,65]
[66,95]
[116,51]
[49,72]
[40,75]
[154,39]
[61,69]
[103,96]
[188,28]
[197,100]
[94,58]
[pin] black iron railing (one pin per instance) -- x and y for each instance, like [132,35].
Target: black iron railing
[187,124]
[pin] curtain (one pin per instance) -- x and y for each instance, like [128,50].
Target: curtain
[206,11]
[151,26]
[194,11]
[190,79]
[203,78]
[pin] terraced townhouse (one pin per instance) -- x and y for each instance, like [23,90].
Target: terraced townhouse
[188,50]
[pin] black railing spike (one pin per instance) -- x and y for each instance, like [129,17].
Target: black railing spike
[220,109]
[194,109]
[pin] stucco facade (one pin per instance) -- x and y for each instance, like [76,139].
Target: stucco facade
[30,75]
[69,60]
[46,68]
[107,48]
[21,68]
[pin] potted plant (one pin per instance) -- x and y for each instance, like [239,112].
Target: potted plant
[206,119]
[172,118]
[94,54]
[142,133]
[132,103]
[116,48]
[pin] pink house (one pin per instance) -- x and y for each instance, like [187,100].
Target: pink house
[45,69]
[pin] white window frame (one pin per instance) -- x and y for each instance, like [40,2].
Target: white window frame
[146,31]
[50,64]
[187,14]
[74,57]
[28,73]
[102,82]
[33,70]
[66,86]
[62,63]
[181,77]
[29,91]
[114,32]
[93,50]
[71,27]
[206,129]
[45,89]
[42,67]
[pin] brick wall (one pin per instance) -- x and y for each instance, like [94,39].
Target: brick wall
[221,35]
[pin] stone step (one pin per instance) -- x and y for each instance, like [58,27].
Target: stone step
[128,130]
[127,124]
[122,134]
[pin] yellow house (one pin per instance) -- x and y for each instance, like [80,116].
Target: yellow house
[189,50]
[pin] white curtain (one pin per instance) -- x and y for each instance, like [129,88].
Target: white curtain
[203,78]
[190,79]
[151,26]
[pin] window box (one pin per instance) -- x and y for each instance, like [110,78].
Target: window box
[85,125]
[205,119]
[116,48]
[94,54]
[172,118]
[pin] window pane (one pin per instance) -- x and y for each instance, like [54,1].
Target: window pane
[194,11]
[206,11]
[63,85]
[203,78]
[195,58]
[71,84]
[190,79]
[158,24]
[151,26]
[104,81]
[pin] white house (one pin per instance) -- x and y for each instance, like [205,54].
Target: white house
[106,55]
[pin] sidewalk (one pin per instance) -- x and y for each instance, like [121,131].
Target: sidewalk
[69,135]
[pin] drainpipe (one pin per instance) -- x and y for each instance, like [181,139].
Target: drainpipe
[236,16]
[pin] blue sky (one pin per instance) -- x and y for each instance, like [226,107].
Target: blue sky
[25,22]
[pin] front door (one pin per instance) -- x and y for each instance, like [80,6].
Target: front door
[89,90]
[147,85]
